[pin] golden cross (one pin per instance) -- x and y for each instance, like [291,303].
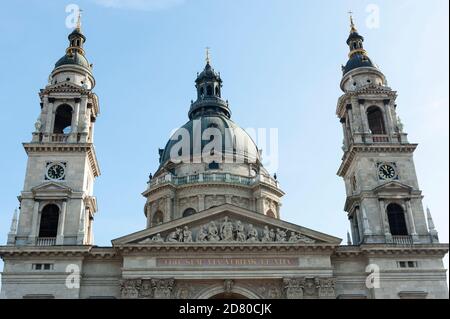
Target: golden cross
[352,24]
[79,19]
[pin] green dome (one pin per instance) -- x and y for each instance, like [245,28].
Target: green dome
[75,59]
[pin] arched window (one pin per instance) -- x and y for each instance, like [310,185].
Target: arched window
[49,221]
[63,119]
[217,91]
[189,212]
[270,213]
[158,218]
[397,220]
[376,122]
[209,90]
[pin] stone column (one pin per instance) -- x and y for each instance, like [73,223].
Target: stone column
[201,203]
[48,121]
[76,116]
[390,119]
[34,224]
[260,205]
[81,227]
[344,129]
[228,199]
[365,124]
[149,215]
[412,223]
[385,222]
[169,212]
[61,222]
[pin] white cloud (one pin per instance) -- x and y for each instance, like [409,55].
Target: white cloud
[143,5]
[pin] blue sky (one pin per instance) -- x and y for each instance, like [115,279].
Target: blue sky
[281,65]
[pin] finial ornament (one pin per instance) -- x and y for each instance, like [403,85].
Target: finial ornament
[13,228]
[352,23]
[400,125]
[208,57]
[78,27]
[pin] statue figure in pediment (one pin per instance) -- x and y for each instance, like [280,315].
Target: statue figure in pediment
[187,235]
[227,230]
[175,237]
[202,234]
[157,238]
[213,232]
[253,235]
[266,235]
[280,236]
[293,237]
[240,232]
[272,235]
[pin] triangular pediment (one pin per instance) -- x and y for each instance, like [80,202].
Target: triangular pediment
[64,87]
[226,224]
[394,187]
[52,187]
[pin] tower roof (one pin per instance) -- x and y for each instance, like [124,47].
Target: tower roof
[75,54]
[358,56]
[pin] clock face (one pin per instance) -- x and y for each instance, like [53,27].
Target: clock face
[56,172]
[386,172]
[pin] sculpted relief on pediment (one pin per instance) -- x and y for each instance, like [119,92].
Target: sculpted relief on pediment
[228,230]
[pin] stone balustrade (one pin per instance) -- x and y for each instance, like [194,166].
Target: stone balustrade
[46,241]
[212,177]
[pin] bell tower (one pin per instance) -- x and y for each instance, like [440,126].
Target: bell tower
[384,201]
[57,205]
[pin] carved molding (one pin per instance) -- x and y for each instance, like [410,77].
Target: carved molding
[229,231]
[305,287]
[147,288]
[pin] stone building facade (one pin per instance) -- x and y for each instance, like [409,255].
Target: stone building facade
[214,227]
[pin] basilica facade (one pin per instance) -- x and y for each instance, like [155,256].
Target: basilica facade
[214,227]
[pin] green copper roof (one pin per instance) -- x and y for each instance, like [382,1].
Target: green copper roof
[75,59]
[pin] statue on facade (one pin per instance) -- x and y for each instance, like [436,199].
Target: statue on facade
[157,238]
[400,125]
[227,230]
[280,236]
[240,232]
[38,125]
[187,235]
[213,232]
[175,237]
[253,235]
[266,235]
[272,235]
[202,234]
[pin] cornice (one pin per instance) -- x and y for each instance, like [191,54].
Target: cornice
[368,92]
[226,248]
[66,148]
[387,250]
[91,252]
[372,148]
[207,184]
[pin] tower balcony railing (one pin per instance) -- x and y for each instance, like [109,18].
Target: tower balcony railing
[380,138]
[46,241]
[59,138]
[402,240]
[213,177]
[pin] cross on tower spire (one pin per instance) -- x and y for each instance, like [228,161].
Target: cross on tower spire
[208,57]
[352,23]
[78,27]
